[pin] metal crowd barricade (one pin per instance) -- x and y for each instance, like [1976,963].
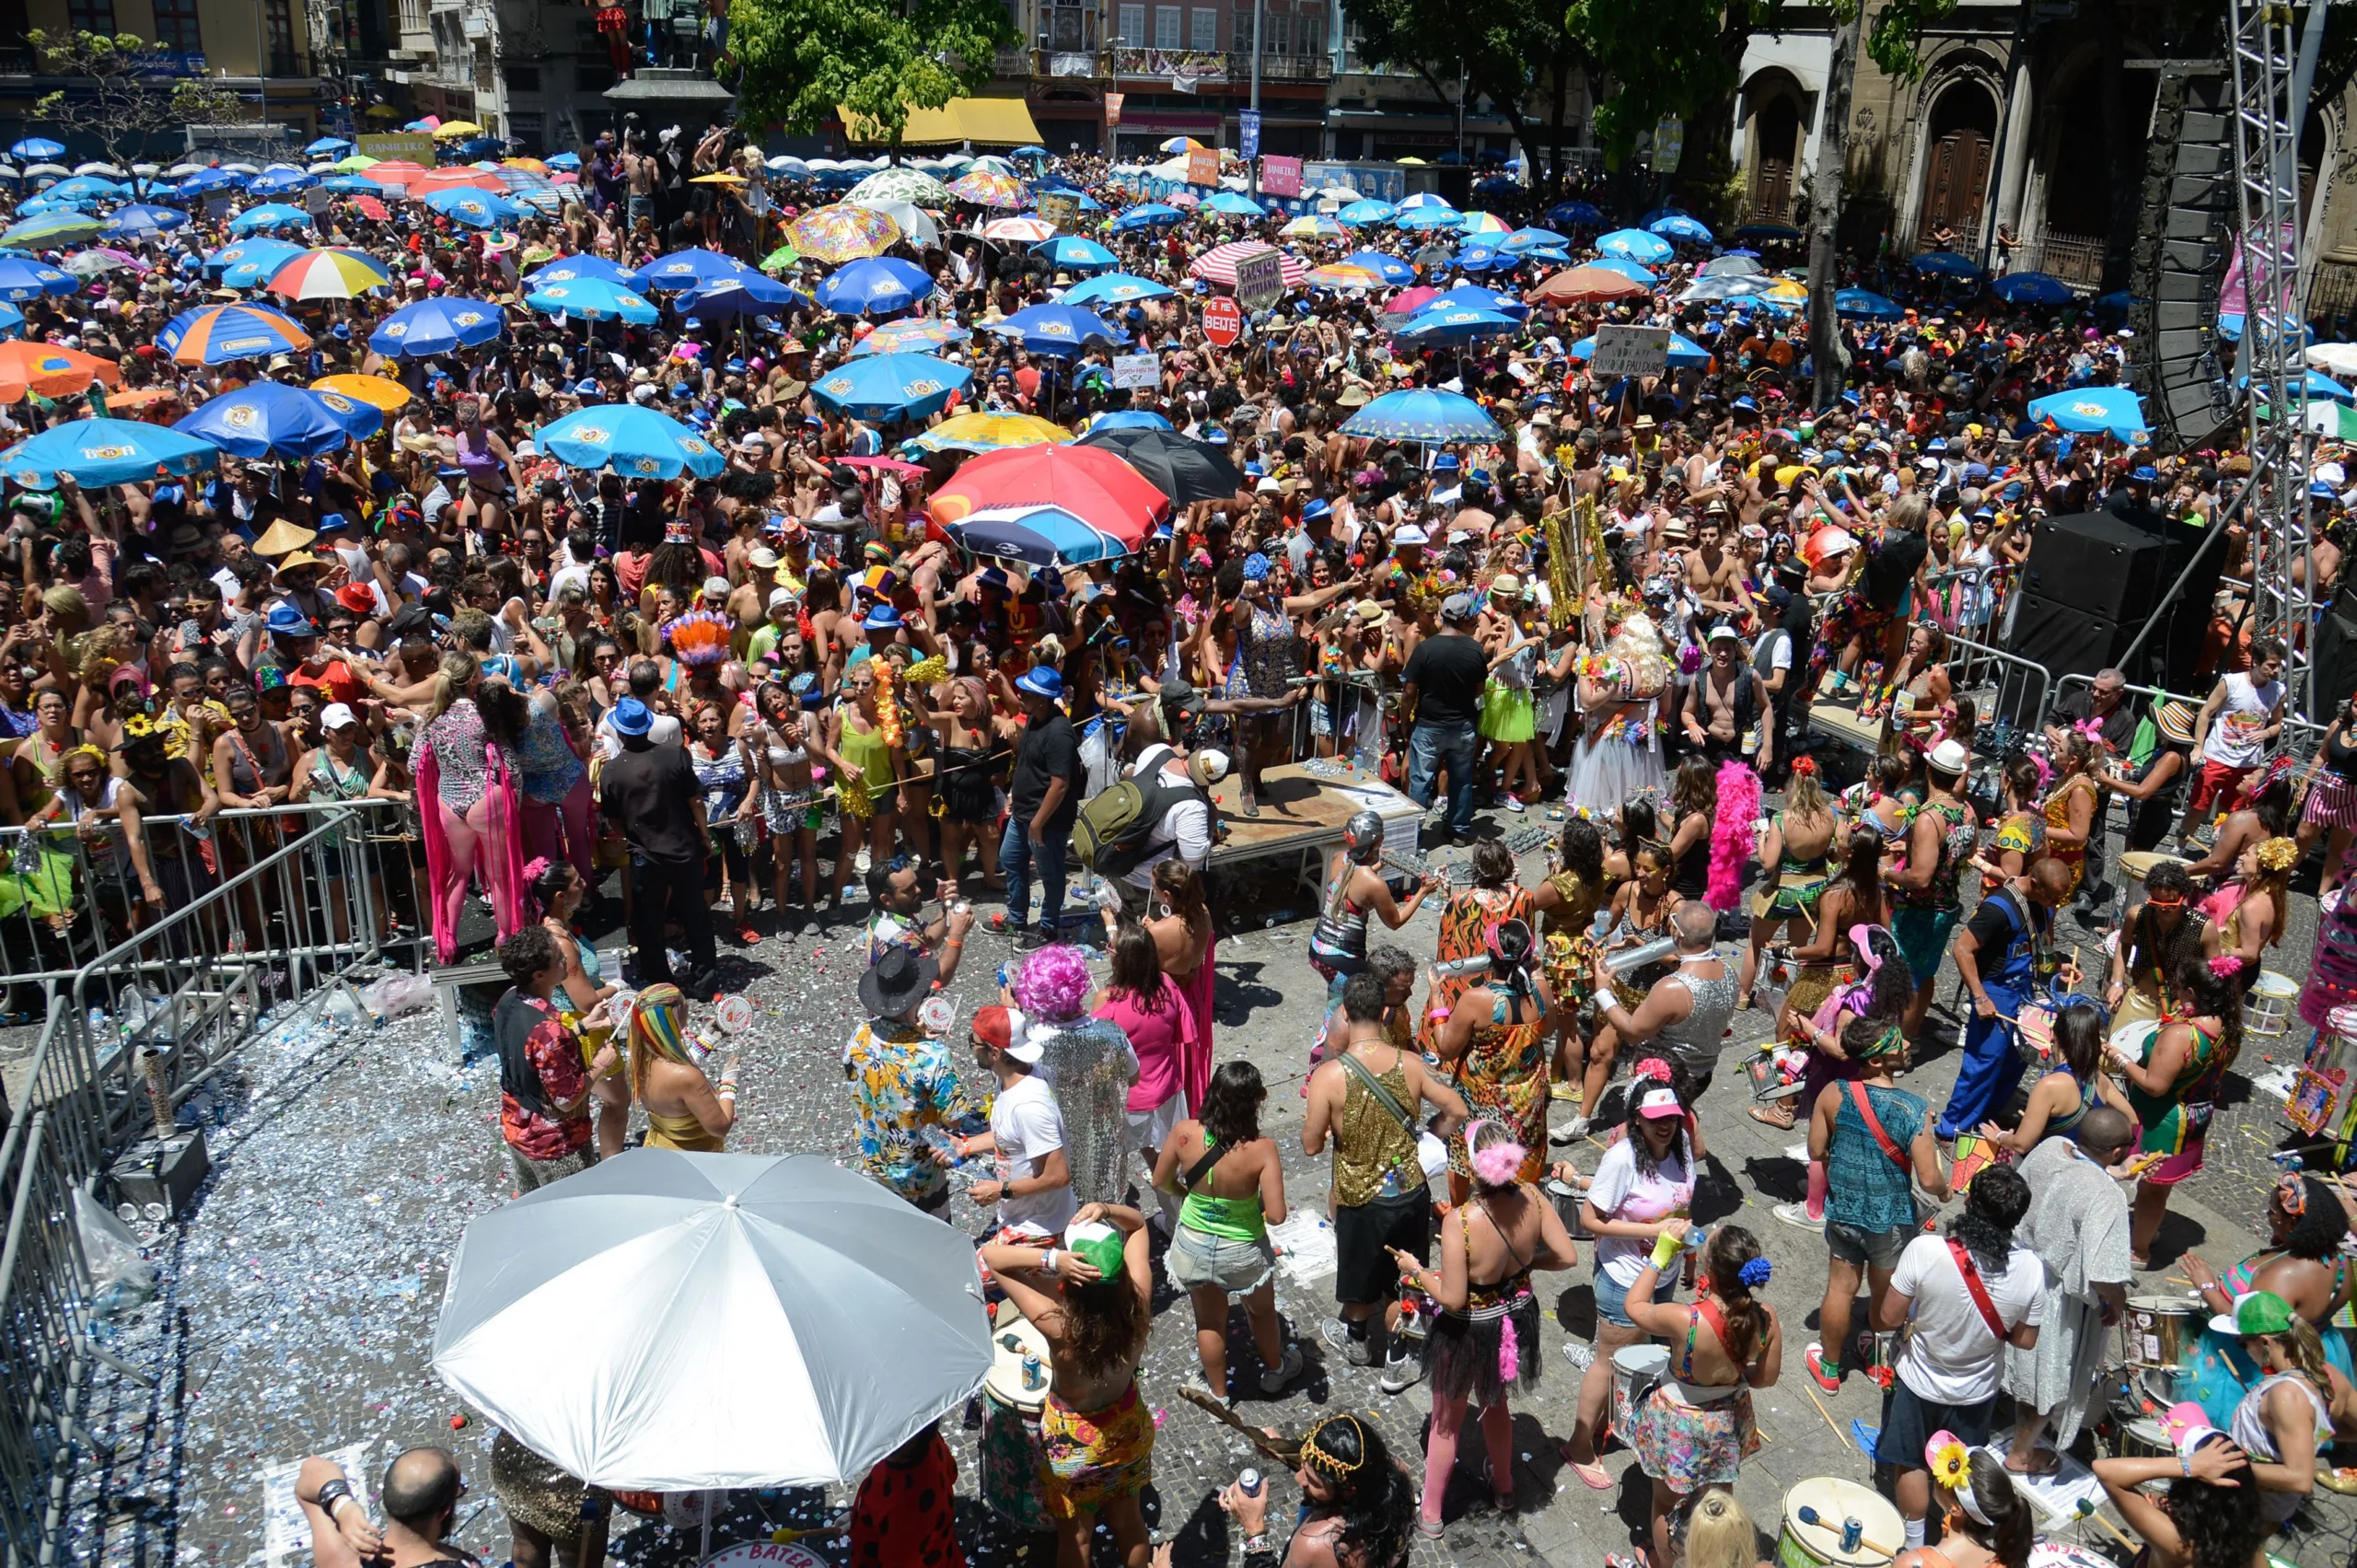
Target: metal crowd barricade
[2009,692]
[2301,737]
[287,909]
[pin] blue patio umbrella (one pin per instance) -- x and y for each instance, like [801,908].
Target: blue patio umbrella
[1056,328]
[205,181]
[86,185]
[282,182]
[216,334]
[1946,264]
[1480,259]
[1681,227]
[1037,536]
[2089,410]
[327,145]
[269,419]
[881,284]
[269,215]
[1575,214]
[686,269]
[437,326]
[1523,239]
[1497,185]
[35,206]
[593,300]
[1131,419]
[481,147]
[33,149]
[1684,354]
[351,185]
[59,227]
[278,251]
[261,260]
[1865,305]
[21,279]
[1423,415]
[1236,203]
[1146,214]
[1634,272]
[1422,218]
[2319,385]
[2032,288]
[1030,152]
[1383,264]
[1074,253]
[1473,296]
[2115,304]
[637,443]
[891,386]
[1439,323]
[476,209]
[94,453]
[574,269]
[564,160]
[1635,245]
[12,321]
[1115,288]
[141,220]
[747,294]
[1362,213]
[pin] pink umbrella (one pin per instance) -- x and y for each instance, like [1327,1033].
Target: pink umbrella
[1410,299]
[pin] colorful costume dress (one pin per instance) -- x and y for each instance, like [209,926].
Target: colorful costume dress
[1567,946]
[1689,1434]
[1503,1076]
[1468,923]
[2176,1123]
[2057,815]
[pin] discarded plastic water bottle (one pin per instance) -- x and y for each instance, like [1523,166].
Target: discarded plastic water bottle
[345,1008]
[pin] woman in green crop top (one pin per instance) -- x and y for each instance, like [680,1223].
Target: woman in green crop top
[1235,1188]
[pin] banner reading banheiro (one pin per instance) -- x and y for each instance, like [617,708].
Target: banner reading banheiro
[1280,176]
[414,145]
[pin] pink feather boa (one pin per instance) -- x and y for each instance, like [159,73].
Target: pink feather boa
[1732,835]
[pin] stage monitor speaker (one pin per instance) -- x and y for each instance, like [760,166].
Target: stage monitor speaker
[2095,562]
[2093,581]
[2336,661]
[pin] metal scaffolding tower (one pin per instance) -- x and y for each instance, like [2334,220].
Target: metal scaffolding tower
[2270,96]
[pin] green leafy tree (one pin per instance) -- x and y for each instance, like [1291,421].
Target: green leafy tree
[1514,52]
[120,92]
[800,59]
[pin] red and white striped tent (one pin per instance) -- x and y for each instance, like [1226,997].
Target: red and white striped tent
[1218,265]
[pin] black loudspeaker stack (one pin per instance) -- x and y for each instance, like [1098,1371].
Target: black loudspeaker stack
[2336,664]
[2179,256]
[2093,582]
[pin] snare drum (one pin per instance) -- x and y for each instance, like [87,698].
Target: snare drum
[1635,1370]
[2159,1329]
[2137,1037]
[1014,1460]
[2266,1010]
[1831,1502]
[2034,1031]
[2146,1439]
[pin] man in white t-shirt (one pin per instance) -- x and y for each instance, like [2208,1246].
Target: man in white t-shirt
[1033,1189]
[1965,1312]
[2241,719]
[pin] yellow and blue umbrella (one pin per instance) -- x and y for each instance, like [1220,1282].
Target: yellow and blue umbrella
[94,453]
[919,334]
[437,326]
[593,300]
[1313,225]
[53,228]
[891,386]
[330,273]
[377,392]
[1423,415]
[988,432]
[271,420]
[215,334]
[1115,288]
[637,443]
[269,215]
[252,263]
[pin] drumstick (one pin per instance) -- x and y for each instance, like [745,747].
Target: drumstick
[1825,1413]
[1285,1451]
[2115,1530]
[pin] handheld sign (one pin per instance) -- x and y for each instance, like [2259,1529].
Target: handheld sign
[1223,320]
[1260,280]
[1630,351]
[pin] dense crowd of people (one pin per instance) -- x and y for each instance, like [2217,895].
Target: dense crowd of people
[772,673]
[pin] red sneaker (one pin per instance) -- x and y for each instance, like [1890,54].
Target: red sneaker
[1828,1381]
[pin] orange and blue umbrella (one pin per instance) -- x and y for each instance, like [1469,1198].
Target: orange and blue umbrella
[215,334]
[1345,276]
[986,430]
[271,420]
[637,443]
[891,386]
[437,326]
[98,452]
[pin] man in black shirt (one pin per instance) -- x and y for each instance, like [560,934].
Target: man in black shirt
[1443,694]
[1042,803]
[650,793]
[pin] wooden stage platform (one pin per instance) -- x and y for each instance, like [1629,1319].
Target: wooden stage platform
[1301,813]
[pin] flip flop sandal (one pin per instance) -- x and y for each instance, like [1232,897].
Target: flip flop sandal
[1428,1528]
[1785,1123]
[1594,1477]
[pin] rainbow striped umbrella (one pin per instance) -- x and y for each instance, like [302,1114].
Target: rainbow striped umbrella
[985,189]
[1486,223]
[842,233]
[52,229]
[330,273]
[1344,275]
[215,334]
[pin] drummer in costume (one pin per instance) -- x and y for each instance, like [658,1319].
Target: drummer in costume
[2059,1102]
[2160,932]
[2021,833]
[2175,1088]
[2253,911]
[2307,1222]
[1092,1302]
[1695,1427]
[2001,956]
[2070,805]
[1799,844]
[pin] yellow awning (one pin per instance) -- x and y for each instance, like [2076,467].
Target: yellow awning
[995,122]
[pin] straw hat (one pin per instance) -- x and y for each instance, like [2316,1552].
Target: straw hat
[283,538]
[297,562]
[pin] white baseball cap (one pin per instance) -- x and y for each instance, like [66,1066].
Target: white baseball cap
[337,716]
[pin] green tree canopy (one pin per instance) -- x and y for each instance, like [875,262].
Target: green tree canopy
[800,59]
[122,95]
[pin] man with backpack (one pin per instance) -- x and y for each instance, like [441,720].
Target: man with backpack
[1163,809]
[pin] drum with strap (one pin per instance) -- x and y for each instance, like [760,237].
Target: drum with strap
[1014,1393]
[1819,1514]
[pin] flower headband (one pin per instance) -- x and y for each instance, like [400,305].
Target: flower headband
[536,867]
[2225,966]
[1805,766]
[2278,855]
[1951,1464]
[1651,1067]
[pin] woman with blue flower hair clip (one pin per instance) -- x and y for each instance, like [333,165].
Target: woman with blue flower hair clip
[1694,1427]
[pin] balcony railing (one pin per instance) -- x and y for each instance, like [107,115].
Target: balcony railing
[2074,257]
[1216,65]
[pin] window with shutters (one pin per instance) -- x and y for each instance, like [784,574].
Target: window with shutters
[1133,27]
[175,27]
[1166,27]
[1204,21]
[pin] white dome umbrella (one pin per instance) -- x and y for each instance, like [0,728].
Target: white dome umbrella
[759,1320]
[916,224]
[2336,359]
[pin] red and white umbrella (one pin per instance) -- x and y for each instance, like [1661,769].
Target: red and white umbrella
[1218,264]
[1019,231]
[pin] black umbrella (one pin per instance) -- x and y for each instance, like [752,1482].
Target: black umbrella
[1185,470]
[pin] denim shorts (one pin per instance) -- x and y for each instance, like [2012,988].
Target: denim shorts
[1867,1248]
[1612,1299]
[1197,1258]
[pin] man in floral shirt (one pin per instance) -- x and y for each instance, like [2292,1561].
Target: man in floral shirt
[543,1084]
[902,1080]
